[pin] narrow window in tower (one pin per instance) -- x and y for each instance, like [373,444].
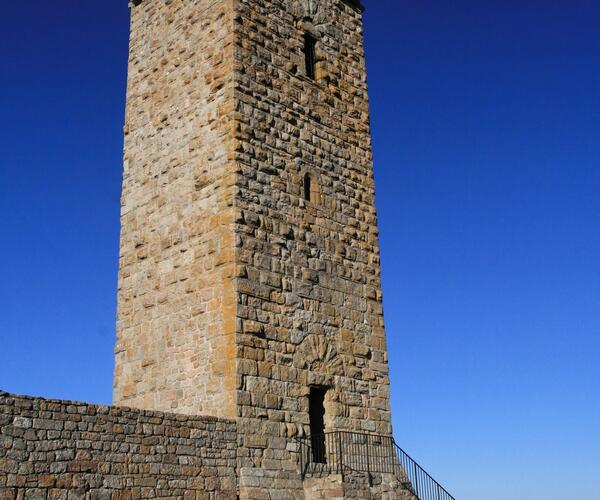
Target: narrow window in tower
[307,187]
[310,188]
[317,424]
[310,55]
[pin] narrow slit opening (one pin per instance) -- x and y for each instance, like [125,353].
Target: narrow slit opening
[310,55]
[307,187]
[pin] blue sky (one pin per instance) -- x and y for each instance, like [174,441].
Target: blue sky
[486,121]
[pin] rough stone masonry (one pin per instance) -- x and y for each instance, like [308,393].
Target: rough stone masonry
[249,272]
[66,450]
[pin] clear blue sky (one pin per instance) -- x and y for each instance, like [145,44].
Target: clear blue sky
[486,122]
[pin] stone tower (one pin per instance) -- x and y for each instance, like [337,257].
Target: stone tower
[249,282]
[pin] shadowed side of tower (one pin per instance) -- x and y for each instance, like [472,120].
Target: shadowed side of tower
[308,275]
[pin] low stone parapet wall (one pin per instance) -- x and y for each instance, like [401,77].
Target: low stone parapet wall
[66,450]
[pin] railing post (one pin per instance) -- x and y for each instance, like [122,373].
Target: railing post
[340,454]
[302,471]
[368,460]
[416,479]
[368,463]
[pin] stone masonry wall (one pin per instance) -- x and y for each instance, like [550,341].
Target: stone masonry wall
[236,294]
[308,274]
[66,450]
[176,316]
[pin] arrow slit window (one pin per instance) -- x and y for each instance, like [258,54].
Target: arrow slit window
[310,188]
[310,55]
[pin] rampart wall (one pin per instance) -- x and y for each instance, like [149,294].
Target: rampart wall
[67,450]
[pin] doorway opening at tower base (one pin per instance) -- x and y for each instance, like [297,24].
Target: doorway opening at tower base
[316,411]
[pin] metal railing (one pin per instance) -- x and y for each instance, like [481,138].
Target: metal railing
[341,451]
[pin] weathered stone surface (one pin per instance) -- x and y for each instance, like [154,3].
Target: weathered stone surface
[113,453]
[223,262]
[249,266]
[308,282]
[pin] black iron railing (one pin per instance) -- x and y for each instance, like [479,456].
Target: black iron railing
[342,451]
